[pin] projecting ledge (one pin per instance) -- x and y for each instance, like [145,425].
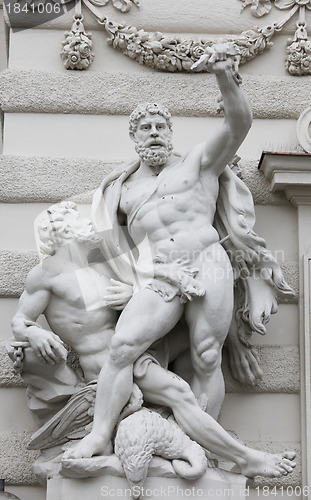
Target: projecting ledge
[214,484]
[290,173]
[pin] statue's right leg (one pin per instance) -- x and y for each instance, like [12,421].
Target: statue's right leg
[145,319]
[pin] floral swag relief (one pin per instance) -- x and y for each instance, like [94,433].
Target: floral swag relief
[172,53]
[298,60]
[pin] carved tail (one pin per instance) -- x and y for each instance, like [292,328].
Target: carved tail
[194,463]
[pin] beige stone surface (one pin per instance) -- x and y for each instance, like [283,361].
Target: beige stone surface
[7,376]
[100,136]
[28,492]
[15,415]
[22,237]
[3,43]
[282,244]
[33,50]
[34,179]
[186,95]
[282,328]
[15,460]
[199,488]
[14,266]
[262,417]
[291,274]
[279,364]
[199,16]
[280,367]
[49,179]
[213,483]
[8,307]
[259,186]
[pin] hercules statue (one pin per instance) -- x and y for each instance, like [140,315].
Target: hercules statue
[190,222]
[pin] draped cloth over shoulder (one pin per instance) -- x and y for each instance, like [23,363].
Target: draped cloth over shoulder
[115,245]
[259,279]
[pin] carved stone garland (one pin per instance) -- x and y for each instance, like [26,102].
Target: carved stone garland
[298,60]
[172,53]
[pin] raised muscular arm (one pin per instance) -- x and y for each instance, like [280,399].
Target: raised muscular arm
[32,303]
[220,148]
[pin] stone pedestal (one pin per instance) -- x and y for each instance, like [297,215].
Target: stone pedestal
[216,483]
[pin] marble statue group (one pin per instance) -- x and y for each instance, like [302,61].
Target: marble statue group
[146,293]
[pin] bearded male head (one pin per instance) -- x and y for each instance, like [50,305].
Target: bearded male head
[150,127]
[60,225]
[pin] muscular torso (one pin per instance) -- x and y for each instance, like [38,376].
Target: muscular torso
[174,209]
[88,331]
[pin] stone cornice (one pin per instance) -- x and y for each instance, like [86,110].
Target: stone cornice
[290,173]
[104,93]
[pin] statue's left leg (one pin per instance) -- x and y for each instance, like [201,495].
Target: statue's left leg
[209,319]
[163,387]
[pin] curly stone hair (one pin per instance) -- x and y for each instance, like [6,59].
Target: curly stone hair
[142,110]
[50,226]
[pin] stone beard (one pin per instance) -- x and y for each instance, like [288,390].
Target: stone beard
[91,239]
[154,157]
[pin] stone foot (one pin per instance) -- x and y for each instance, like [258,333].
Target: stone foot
[268,465]
[90,445]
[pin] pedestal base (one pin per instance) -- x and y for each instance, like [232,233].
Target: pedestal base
[215,484]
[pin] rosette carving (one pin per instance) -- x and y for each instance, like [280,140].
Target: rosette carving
[298,60]
[77,47]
